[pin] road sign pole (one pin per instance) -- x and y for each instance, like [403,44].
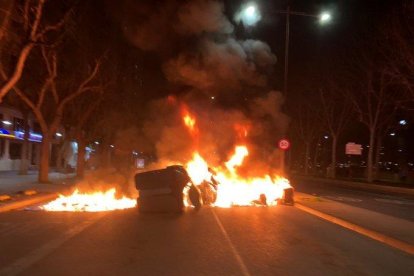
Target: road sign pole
[283,145]
[282,162]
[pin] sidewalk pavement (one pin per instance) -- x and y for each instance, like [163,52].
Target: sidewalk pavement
[395,228]
[385,189]
[17,190]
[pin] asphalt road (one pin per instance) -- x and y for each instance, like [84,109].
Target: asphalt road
[397,206]
[279,240]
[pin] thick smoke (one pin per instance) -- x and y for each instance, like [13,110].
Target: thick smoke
[202,54]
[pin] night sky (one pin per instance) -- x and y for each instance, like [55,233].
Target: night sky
[315,50]
[312,46]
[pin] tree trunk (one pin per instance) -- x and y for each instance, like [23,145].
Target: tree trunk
[370,156]
[307,158]
[315,157]
[333,157]
[24,158]
[44,158]
[377,156]
[80,162]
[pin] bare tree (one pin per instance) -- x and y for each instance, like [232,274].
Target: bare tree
[374,102]
[306,126]
[398,48]
[34,31]
[50,101]
[335,115]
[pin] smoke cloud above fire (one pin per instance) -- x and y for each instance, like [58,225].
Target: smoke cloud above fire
[203,59]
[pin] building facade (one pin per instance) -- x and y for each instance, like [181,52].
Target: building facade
[12,133]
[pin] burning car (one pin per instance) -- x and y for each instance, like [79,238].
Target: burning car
[168,189]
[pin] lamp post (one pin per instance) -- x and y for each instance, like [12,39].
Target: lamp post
[250,15]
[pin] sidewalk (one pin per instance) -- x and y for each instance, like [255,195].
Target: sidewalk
[393,227]
[19,190]
[379,188]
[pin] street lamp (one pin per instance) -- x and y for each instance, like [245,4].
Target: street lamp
[250,15]
[325,17]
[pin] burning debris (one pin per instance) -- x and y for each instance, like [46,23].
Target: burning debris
[89,202]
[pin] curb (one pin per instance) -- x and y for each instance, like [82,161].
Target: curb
[361,185]
[25,202]
[400,245]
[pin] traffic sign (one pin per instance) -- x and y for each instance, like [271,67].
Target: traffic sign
[283,144]
[353,149]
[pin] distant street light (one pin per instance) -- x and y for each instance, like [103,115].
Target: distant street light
[403,122]
[392,134]
[7,123]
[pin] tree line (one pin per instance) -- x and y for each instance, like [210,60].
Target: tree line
[370,87]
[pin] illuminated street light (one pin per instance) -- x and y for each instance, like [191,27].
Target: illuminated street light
[59,134]
[249,15]
[325,17]
[392,134]
[326,137]
[96,142]
[7,123]
[403,122]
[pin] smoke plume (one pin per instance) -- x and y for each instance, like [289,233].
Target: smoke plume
[202,55]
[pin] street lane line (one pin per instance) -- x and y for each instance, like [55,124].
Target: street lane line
[403,246]
[36,255]
[236,254]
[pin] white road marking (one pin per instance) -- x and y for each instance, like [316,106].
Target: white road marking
[343,198]
[236,254]
[36,255]
[394,201]
[403,246]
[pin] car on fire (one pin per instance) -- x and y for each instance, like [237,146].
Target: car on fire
[168,189]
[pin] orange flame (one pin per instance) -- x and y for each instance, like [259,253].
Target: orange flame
[234,190]
[90,202]
[189,122]
[237,159]
[198,169]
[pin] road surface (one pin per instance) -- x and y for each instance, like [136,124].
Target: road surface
[396,206]
[281,240]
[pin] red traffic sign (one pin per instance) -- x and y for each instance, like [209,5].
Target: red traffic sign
[284,144]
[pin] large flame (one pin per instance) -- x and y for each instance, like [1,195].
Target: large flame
[198,169]
[90,202]
[189,120]
[234,190]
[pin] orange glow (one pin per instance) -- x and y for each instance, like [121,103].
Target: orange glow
[241,130]
[189,122]
[90,202]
